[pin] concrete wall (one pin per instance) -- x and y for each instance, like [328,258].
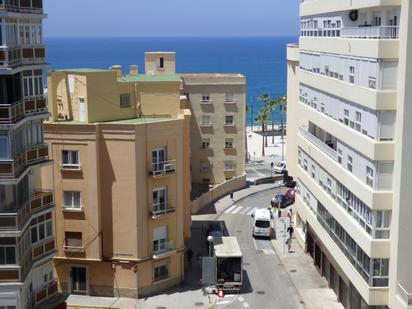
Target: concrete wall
[218,192]
[152,61]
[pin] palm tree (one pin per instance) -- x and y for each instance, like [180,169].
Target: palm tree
[265,97]
[271,106]
[283,108]
[263,118]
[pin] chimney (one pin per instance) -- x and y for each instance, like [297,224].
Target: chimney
[117,69]
[134,70]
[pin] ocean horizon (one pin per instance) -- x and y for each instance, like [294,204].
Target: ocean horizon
[261,59]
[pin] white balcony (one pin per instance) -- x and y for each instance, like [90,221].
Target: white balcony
[167,248]
[318,143]
[163,208]
[374,32]
[163,168]
[403,290]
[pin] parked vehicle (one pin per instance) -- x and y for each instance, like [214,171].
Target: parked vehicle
[229,263]
[288,180]
[281,201]
[291,194]
[261,223]
[280,167]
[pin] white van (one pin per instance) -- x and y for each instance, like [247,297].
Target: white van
[261,223]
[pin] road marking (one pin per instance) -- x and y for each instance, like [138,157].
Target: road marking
[245,304]
[251,211]
[237,210]
[229,209]
[241,299]
[244,211]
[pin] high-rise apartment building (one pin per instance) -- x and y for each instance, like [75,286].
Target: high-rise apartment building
[26,209]
[121,149]
[349,148]
[218,105]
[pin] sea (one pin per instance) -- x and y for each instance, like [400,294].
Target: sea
[261,59]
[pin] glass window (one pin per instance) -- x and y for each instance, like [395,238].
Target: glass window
[228,143]
[125,100]
[7,255]
[205,98]
[70,159]
[229,120]
[71,199]
[229,97]
[205,143]
[161,272]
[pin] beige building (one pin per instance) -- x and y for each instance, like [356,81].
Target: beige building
[348,147]
[218,105]
[121,149]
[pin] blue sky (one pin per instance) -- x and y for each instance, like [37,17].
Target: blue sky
[137,18]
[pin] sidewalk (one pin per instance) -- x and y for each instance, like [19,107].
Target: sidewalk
[312,288]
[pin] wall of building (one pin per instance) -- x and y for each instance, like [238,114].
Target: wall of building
[152,63]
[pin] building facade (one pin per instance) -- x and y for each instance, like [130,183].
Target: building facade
[348,147]
[218,105]
[121,149]
[27,243]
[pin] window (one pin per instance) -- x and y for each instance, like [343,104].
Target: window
[125,100]
[352,74]
[340,155]
[73,240]
[4,146]
[161,63]
[159,199]
[350,163]
[8,251]
[228,143]
[229,121]
[206,121]
[346,118]
[305,165]
[228,165]
[358,121]
[161,272]
[205,143]
[383,220]
[313,171]
[372,82]
[32,83]
[369,176]
[329,185]
[71,199]
[204,166]
[206,180]
[159,239]
[229,97]
[70,159]
[205,98]
[41,227]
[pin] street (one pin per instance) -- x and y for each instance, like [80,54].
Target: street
[266,283]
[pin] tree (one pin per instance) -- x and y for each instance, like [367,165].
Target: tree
[283,108]
[263,118]
[264,97]
[271,106]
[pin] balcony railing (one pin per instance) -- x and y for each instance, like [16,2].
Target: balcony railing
[159,209]
[13,168]
[12,57]
[29,6]
[10,114]
[376,32]
[15,219]
[43,293]
[318,143]
[168,248]
[163,168]
[403,292]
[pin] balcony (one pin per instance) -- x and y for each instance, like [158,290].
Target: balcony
[403,289]
[14,168]
[230,102]
[24,6]
[10,114]
[206,102]
[43,293]
[16,220]
[229,124]
[163,168]
[206,125]
[43,249]
[374,32]
[168,248]
[319,143]
[13,57]
[164,208]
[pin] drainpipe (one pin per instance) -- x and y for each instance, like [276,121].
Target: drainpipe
[138,105]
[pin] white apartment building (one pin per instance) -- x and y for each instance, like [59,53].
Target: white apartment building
[348,146]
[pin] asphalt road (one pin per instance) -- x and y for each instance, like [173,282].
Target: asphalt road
[266,283]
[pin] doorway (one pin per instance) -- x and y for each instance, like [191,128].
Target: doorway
[82,109]
[78,280]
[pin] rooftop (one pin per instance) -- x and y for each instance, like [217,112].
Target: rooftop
[81,70]
[210,75]
[150,78]
[121,121]
[227,246]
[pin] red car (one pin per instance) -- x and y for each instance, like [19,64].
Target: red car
[291,194]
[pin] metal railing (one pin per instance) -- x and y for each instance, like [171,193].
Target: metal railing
[403,293]
[373,32]
[168,247]
[163,168]
[318,143]
[35,6]
[15,56]
[163,208]
[11,113]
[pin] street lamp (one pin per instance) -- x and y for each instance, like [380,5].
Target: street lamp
[210,241]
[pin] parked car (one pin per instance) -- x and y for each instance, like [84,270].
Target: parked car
[291,193]
[215,230]
[280,167]
[281,200]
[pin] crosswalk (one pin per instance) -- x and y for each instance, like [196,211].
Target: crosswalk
[240,210]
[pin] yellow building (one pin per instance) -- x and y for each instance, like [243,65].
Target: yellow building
[121,176]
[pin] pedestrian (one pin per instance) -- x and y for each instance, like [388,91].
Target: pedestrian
[189,256]
[290,214]
[290,230]
[289,243]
